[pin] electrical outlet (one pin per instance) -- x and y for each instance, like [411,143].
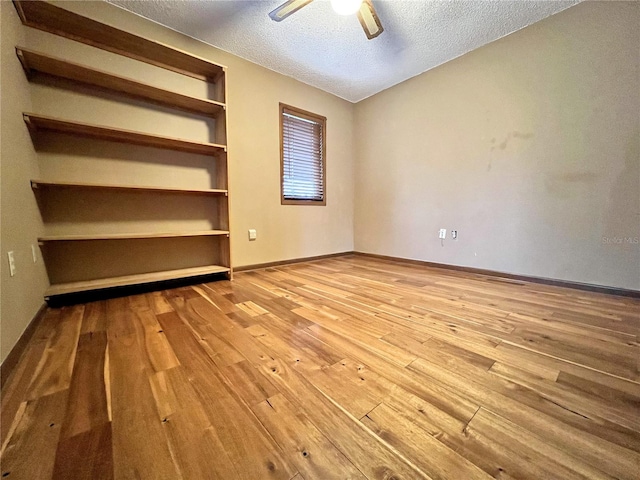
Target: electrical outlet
[253,234]
[443,233]
[454,234]
[34,253]
[12,264]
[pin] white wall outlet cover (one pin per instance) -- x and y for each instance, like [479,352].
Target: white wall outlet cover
[253,234]
[34,253]
[454,234]
[443,233]
[12,264]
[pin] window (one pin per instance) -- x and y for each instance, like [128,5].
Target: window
[302,162]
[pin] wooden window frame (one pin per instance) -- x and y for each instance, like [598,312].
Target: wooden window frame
[315,118]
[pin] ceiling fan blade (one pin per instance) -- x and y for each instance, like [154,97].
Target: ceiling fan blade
[287,8]
[369,20]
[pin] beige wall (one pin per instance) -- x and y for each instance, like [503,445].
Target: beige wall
[21,295]
[529,147]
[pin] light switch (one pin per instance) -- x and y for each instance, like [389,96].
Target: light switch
[253,234]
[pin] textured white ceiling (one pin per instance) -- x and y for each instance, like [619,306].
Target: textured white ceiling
[331,52]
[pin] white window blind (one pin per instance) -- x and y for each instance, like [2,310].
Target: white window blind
[302,157]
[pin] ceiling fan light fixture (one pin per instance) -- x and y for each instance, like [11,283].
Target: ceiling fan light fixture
[346,7]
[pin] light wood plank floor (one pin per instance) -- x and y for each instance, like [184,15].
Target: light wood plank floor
[351,367]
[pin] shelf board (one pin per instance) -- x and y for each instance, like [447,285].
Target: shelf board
[127,280]
[35,184]
[132,236]
[56,20]
[39,122]
[39,62]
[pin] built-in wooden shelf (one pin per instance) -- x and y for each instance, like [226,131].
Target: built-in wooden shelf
[132,236]
[40,62]
[35,184]
[41,123]
[128,280]
[56,20]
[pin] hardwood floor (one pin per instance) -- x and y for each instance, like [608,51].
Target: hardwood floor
[348,367]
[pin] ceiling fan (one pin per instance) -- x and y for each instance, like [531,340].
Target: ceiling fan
[366,13]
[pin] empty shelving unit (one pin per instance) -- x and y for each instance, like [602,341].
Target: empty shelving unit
[82,256]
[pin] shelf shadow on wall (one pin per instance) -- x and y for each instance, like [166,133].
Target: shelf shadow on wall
[123,98]
[84,207]
[90,160]
[73,261]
